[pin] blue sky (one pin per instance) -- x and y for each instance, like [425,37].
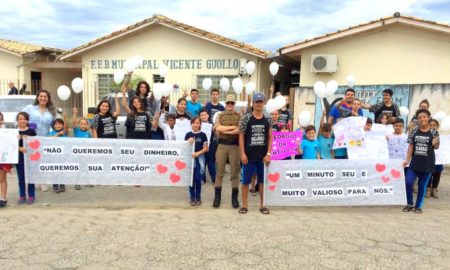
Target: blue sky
[266,24]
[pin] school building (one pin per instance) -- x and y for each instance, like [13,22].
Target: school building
[407,54]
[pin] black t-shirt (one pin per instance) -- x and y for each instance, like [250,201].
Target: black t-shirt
[285,116]
[423,157]
[256,135]
[213,109]
[380,108]
[27,132]
[105,126]
[138,126]
[185,115]
[275,127]
[199,137]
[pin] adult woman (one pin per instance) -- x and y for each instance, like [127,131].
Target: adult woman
[143,91]
[42,113]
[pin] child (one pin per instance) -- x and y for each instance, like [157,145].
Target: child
[201,147]
[436,176]
[139,121]
[368,125]
[167,123]
[4,169]
[104,125]
[210,157]
[80,130]
[59,129]
[325,139]
[385,118]
[285,115]
[276,124]
[310,148]
[181,112]
[23,119]
[421,159]
[397,142]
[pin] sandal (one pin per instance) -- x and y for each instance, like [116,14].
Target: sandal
[418,211]
[264,211]
[408,208]
[243,210]
[253,192]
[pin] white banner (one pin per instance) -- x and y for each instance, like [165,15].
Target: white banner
[108,162]
[334,183]
[9,146]
[443,153]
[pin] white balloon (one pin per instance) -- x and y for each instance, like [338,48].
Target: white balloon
[207,83]
[129,65]
[332,86]
[404,111]
[237,85]
[271,105]
[63,92]
[304,118]
[138,60]
[163,69]
[158,90]
[351,79]
[445,124]
[280,101]
[225,84]
[77,85]
[319,89]
[273,67]
[167,88]
[250,87]
[250,67]
[118,76]
[440,115]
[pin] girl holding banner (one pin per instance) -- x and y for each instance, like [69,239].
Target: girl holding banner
[421,159]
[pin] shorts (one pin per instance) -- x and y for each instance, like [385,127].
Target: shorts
[250,169]
[438,168]
[6,167]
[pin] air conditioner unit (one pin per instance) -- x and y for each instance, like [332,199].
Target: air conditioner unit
[324,63]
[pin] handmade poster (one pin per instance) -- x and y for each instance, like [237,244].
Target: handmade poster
[349,132]
[77,161]
[376,147]
[285,144]
[9,146]
[334,182]
[398,146]
[443,152]
[207,129]
[182,126]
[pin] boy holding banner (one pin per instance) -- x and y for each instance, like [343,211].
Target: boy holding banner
[255,142]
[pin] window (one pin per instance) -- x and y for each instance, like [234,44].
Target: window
[158,79]
[205,95]
[106,85]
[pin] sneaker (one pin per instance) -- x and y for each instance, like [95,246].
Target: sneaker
[253,192]
[62,188]
[193,203]
[428,194]
[56,189]
[30,200]
[3,203]
[77,187]
[435,193]
[198,202]
[21,200]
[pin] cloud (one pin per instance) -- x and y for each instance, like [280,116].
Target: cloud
[265,24]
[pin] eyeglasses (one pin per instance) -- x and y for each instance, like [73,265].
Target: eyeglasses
[229,103]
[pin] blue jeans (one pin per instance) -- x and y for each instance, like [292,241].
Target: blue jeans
[196,189]
[423,181]
[20,167]
[210,158]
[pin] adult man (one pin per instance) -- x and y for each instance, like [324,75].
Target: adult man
[343,108]
[12,89]
[227,128]
[386,106]
[193,107]
[255,141]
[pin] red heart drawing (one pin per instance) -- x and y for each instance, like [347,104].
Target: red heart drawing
[34,144]
[380,167]
[175,178]
[273,177]
[272,187]
[161,169]
[35,156]
[180,165]
[385,179]
[396,174]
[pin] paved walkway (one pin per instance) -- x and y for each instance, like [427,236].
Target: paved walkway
[154,228]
